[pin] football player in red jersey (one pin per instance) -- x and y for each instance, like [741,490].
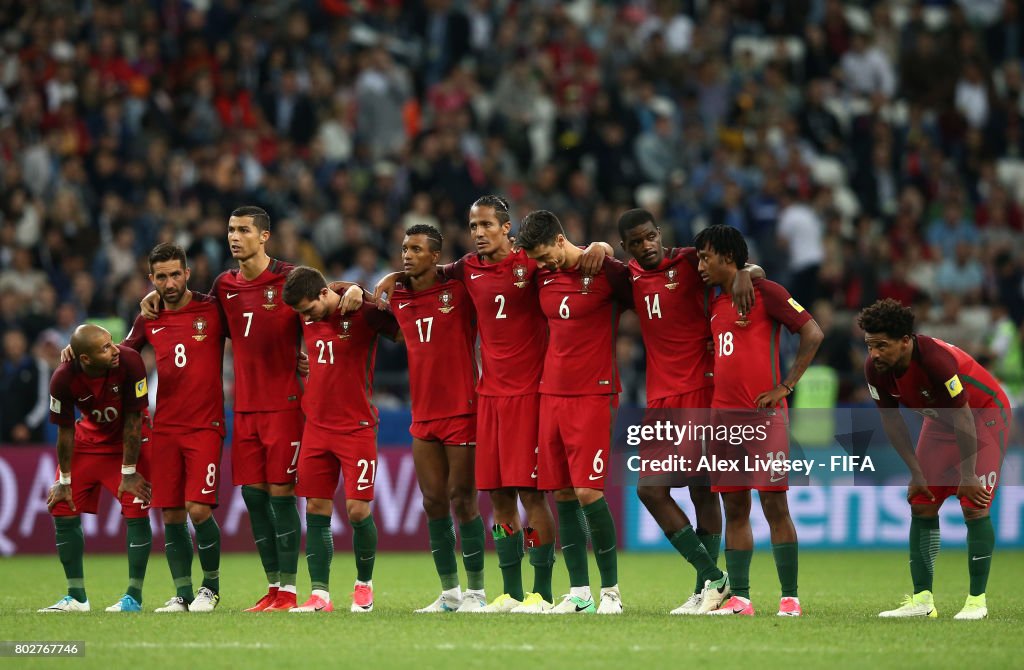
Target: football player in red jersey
[579,393]
[748,379]
[103,450]
[959,451]
[673,305]
[267,428]
[188,425]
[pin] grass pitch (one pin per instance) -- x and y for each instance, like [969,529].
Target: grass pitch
[841,594]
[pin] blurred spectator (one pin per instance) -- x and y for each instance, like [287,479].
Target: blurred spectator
[25,385]
[800,233]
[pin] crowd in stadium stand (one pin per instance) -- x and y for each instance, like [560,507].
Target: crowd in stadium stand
[866,149]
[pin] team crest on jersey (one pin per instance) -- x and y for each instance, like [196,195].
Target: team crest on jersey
[199,325]
[519,273]
[115,388]
[446,302]
[926,394]
[586,280]
[742,322]
[346,326]
[270,293]
[671,275]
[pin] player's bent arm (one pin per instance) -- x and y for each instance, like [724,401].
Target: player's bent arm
[342,288]
[966,440]
[65,447]
[593,257]
[386,285]
[899,437]
[811,338]
[150,305]
[132,437]
[743,287]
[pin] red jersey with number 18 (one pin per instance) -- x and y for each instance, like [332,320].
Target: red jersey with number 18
[747,348]
[264,338]
[189,348]
[439,326]
[673,305]
[513,333]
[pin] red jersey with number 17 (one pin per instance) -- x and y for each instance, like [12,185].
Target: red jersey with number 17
[439,327]
[673,305]
[747,348]
[342,349]
[103,401]
[189,348]
[583,319]
[513,332]
[264,338]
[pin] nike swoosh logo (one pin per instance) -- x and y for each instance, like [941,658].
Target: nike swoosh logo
[290,471]
[230,295]
[61,544]
[363,487]
[473,276]
[973,558]
[403,305]
[548,281]
[285,534]
[202,548]
[712,318]
[594,479]
[580,609]
[366,558]
[470,555]
[207,492]
[776,478]
[605,551]
[157,330]
[132,545]
[434,551]
[262,539]
[85,398]
[635,277]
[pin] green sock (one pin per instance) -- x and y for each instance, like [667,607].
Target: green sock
[712,543]
[71,550]
[924,548]
[981,541]
[208,539]
[178,549]
[542,559]
[319,550]
[737,562]
[787,564]
[689,546]
[288,530]
[572,530]
[442,548]
[602,535]
[261,519]
[364,546]
[473,541]
[140,541]
[510,560]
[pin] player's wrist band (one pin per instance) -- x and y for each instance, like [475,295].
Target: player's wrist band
[787,387]
[65,479]
[127,469]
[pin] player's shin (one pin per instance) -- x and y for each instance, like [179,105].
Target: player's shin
[364,546]
[924,549]
[140,541]
[688,544]
[319,551]
[473,542]
[981,541]
[208,539]
[737,563]
[509,546]
[257,503]
[542,558]
[71,550]
[442,549]
[572,531]
[787,565]
[602,534]
[287,531]
[178,549]
[712,544]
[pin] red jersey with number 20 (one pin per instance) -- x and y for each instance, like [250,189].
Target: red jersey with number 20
[103,401]
[747,348]
[264,338]
[439,327]
[513,333]
[189,348]
[673,305]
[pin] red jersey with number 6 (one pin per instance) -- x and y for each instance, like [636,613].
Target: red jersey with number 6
[513,332]
[189,348]
[747,348]
[103,401]
[264,338]
[673,305]
[439,327]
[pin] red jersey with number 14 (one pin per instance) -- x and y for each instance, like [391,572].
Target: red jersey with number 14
[673,305]
[439,327]
[264,338]
[103,401]
[189,348]
[747,348]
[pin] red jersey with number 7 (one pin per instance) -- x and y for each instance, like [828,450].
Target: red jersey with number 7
[264,336]
[747,348]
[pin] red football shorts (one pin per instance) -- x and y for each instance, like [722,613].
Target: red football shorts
[680,409]
[939,455]
[92,472]
[326,455]
[768,441]
[265,447]
[575,441]
[186,467]
[506,441]
[452,431]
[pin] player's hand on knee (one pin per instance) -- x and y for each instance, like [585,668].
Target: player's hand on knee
[919,487]
[137,486]
[60,493]
[150,305]
[972,489]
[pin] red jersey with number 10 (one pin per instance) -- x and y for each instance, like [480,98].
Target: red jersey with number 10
[264,338]
[513,332]
[747,348]
[673,305]
[439,327]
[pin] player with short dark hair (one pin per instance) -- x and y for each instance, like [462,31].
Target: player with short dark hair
[673,306]
[340,435]
[103,450]
[959,451]
[188,425]
[267,426]
[749,387]
[579,393]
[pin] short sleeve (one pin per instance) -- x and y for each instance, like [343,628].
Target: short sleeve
[883,399]
[940,365]
[686,255]
[618,277]
[381,322]
[62,408]
[137,335]
[136,399]
[456,270]
[781,306]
